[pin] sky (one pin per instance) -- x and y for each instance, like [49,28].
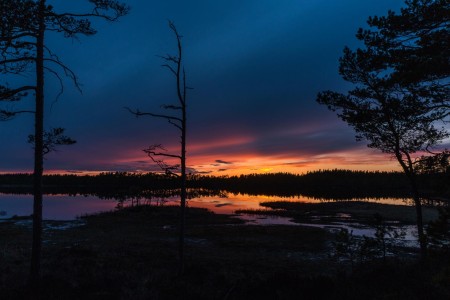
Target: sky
[255,67]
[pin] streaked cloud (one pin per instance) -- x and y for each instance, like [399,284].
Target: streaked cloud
[219,161]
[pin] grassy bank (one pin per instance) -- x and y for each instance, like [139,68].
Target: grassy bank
[131,254]
[347,211]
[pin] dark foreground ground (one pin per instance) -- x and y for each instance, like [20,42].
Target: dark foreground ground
[132,254]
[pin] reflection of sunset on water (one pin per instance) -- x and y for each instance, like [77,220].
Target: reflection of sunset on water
[64,207]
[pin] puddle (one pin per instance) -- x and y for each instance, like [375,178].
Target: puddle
[408,239]
[47,224]
[63,225]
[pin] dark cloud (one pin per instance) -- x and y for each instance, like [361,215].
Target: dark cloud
[256,67]
[323,139]
[202,172]
[74,171]
[219,161]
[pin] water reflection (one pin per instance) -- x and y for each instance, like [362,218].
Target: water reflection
[56,207]
[69,207]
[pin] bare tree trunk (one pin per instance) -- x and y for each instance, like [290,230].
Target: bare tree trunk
[183,192]
[38,157]
[181,92]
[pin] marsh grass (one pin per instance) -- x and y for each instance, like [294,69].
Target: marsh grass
[359,211]
[132,254]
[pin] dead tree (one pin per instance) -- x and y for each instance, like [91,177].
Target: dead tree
[157,152]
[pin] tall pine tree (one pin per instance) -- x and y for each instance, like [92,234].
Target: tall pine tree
[23,48]
[400,101]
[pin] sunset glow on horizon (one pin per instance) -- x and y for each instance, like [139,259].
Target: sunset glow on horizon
[362,159]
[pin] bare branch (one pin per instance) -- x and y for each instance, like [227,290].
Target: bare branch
[10,94]
[6,115]
[138,113]
[176,125]
[154,151]
[169,58]
[100,10]
[174,29]
[69,73]
[23,34]
[17,60]
[61,85]
[170,68]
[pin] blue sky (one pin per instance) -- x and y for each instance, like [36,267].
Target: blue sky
[255,66]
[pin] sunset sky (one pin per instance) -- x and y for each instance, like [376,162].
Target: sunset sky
[256,67]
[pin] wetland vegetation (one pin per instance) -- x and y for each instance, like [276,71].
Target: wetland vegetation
[131,253]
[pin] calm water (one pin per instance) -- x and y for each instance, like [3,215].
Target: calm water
[65,207]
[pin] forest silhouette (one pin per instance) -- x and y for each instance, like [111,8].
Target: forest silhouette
[323,184]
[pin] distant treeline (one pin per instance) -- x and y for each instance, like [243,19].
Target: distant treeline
[114,184]
[332,184]
[335,184]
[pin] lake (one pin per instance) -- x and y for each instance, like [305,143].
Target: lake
[66,207]
[69,207]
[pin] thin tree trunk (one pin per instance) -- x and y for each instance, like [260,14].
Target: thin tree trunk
[38,157]
[183,191]
[419,221]
[410,173]
[419,218]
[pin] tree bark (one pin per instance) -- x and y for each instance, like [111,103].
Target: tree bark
[419,219]
[410,173]
[38,156]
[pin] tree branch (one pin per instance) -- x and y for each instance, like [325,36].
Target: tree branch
[8,115]
[17,60]
[69,73]
[118,9]
[9,95]
[61,85]
[138,113]
[152,152]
